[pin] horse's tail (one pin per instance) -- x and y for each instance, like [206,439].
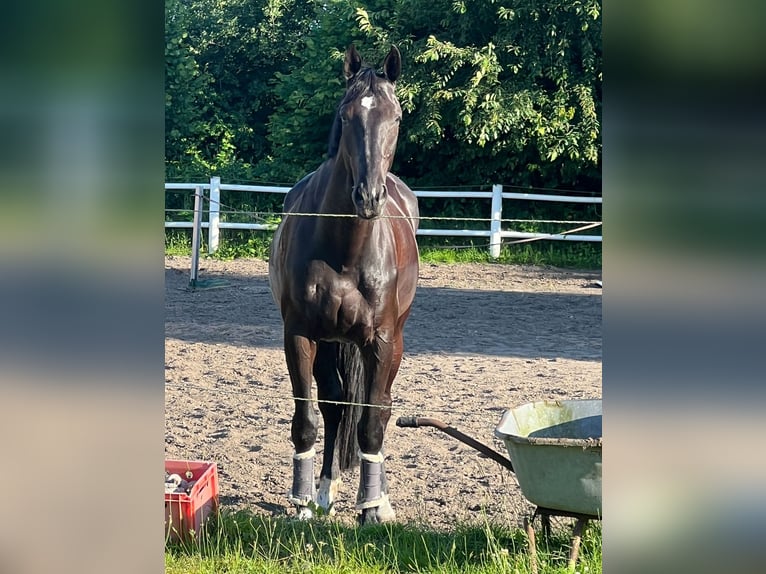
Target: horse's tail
[351,371]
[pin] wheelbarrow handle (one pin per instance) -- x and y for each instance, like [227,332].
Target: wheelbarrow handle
[415,422]
[407,422]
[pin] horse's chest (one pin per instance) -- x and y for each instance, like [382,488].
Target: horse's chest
[344,308]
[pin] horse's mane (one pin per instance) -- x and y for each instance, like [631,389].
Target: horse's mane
[363,81]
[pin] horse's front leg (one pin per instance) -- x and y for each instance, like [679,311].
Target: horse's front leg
[299,354]
[372,498]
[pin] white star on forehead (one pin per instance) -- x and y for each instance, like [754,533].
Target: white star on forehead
[368,102]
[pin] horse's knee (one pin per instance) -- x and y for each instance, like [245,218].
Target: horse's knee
[303,432]
[370,441]
[370,433]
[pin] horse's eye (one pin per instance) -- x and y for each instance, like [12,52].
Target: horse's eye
[399,119]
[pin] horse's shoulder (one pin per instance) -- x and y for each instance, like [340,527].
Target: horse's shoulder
[403,196]
[397,181]
[295,195]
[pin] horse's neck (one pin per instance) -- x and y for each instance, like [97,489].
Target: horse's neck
[336,193]
[348,235]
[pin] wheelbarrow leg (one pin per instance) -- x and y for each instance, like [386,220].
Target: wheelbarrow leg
[545,520]
[529,527]
[576,537]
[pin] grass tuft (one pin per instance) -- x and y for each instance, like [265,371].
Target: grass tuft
[242,542]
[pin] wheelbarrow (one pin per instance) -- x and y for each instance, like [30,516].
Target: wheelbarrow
[555,454]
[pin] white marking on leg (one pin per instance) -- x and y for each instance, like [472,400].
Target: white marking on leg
[385,512]
[304,513]
[328,492]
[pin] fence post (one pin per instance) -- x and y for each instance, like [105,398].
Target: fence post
[214,214]
[495,225]
[196,237]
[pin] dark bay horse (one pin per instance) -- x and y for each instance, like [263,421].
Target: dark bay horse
[344,282]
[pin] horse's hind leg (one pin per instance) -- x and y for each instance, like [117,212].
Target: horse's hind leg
[385,414]
[328,389]
[299,354]
[396,360]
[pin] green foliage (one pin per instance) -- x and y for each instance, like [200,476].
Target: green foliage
[493,91]
[256,245]
[505,94]
[221,59]
[177,242]
[187,119]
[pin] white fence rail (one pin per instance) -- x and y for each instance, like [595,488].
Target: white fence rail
[495,233]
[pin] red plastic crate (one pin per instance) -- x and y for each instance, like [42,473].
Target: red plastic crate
[185,513]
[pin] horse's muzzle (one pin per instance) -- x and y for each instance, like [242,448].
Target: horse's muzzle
[369,201]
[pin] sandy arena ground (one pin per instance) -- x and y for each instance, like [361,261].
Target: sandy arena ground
[481,338]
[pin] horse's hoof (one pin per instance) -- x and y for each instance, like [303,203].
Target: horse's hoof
[368,517]
[385,512]
[304,513]
[377,514]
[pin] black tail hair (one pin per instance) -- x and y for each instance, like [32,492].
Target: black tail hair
[351,371]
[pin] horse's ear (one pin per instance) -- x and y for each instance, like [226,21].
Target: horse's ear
[392,66]
[352,63]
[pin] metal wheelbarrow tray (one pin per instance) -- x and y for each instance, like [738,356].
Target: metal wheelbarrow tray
[555,453]
[555,448]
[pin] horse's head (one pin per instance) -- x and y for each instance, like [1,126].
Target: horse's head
[367,128]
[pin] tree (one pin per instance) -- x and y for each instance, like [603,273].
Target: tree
[493,90]
[187,101]
[221,59]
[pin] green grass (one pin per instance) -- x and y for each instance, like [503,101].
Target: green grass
[551,253]
[256,246]
[577,256]
[241,542]
[177,242]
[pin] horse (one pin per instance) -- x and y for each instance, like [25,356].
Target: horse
[343,270]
